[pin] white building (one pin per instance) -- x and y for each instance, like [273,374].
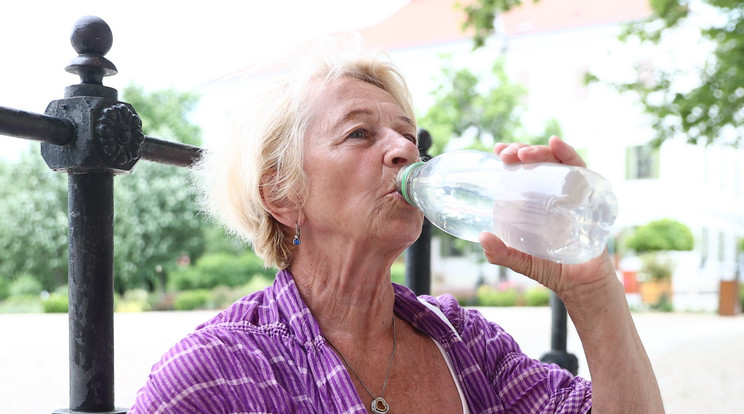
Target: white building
[549,46]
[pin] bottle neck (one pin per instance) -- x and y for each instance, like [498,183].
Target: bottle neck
[403,181]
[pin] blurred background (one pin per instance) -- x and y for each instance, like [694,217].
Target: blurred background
[649,92]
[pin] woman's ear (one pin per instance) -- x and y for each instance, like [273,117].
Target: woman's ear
[285,209]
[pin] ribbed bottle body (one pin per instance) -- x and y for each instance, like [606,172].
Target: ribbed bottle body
[554,211]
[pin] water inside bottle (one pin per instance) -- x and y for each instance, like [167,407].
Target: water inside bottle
[560,217]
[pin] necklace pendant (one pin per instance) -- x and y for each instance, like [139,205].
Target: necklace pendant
[380,406]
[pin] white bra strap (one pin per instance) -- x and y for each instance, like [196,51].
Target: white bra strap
[439,313]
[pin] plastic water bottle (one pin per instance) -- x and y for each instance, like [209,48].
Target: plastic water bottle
[558,212]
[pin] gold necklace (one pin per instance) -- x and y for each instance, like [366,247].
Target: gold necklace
[379,405]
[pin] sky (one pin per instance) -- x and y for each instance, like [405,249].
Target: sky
[159,44]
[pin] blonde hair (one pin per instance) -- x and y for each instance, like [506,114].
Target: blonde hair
[263,155]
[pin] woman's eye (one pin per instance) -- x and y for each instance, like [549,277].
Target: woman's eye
[359,133]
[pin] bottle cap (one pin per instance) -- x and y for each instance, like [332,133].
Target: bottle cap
[403,180]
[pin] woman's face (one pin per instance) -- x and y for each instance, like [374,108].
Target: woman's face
[357,140]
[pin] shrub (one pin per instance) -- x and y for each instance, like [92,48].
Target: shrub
[655,266]
[659,235]
[21,304]
[161,301]
[223,296]
[25,285]
[212,270]
[135,300]
[257,283]
[487,296]
[192,299]
[664,304]
[56,303]
[537,296]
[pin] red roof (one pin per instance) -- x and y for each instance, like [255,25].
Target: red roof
[418,23]
[549,15]
[426,22]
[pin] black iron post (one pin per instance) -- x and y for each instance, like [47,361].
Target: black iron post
[558,329]
[108,140]
[91,287]
[92,137]
[418,255]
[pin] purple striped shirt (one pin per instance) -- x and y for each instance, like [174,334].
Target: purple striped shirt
[266,354]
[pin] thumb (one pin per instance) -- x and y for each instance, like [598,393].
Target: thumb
[500,254]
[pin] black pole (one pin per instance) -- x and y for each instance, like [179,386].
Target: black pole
[91,136]
[418,262]
[559,327]
[91,291]
[108,140]
[171,153]
[559,324]
[418,255]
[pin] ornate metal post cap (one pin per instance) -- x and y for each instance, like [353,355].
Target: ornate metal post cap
[108,133]
[91,38]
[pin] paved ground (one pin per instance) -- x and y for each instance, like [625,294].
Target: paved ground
[698,358]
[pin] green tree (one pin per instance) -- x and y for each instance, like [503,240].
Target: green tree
[156,220]
[481,14]
[165,113]
[712,108]
[485,108]
[33,221]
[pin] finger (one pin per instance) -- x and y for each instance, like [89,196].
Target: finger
[499,147]
[565,153]
[537,153]
[510,154]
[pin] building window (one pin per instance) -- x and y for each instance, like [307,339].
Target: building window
[704,247]
[642,162]
[721,246]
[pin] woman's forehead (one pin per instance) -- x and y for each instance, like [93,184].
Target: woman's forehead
[350,96]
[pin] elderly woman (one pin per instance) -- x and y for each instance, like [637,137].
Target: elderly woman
[310,182]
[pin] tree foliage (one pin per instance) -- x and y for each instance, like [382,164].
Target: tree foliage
[485,108]
[709,110]
[33,221]
[481,14]
[156,219]
[164,113]
[713,109]
[155,222]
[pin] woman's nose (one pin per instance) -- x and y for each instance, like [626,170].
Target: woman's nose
[402,151]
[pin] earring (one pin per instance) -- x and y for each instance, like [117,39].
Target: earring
[296,240]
